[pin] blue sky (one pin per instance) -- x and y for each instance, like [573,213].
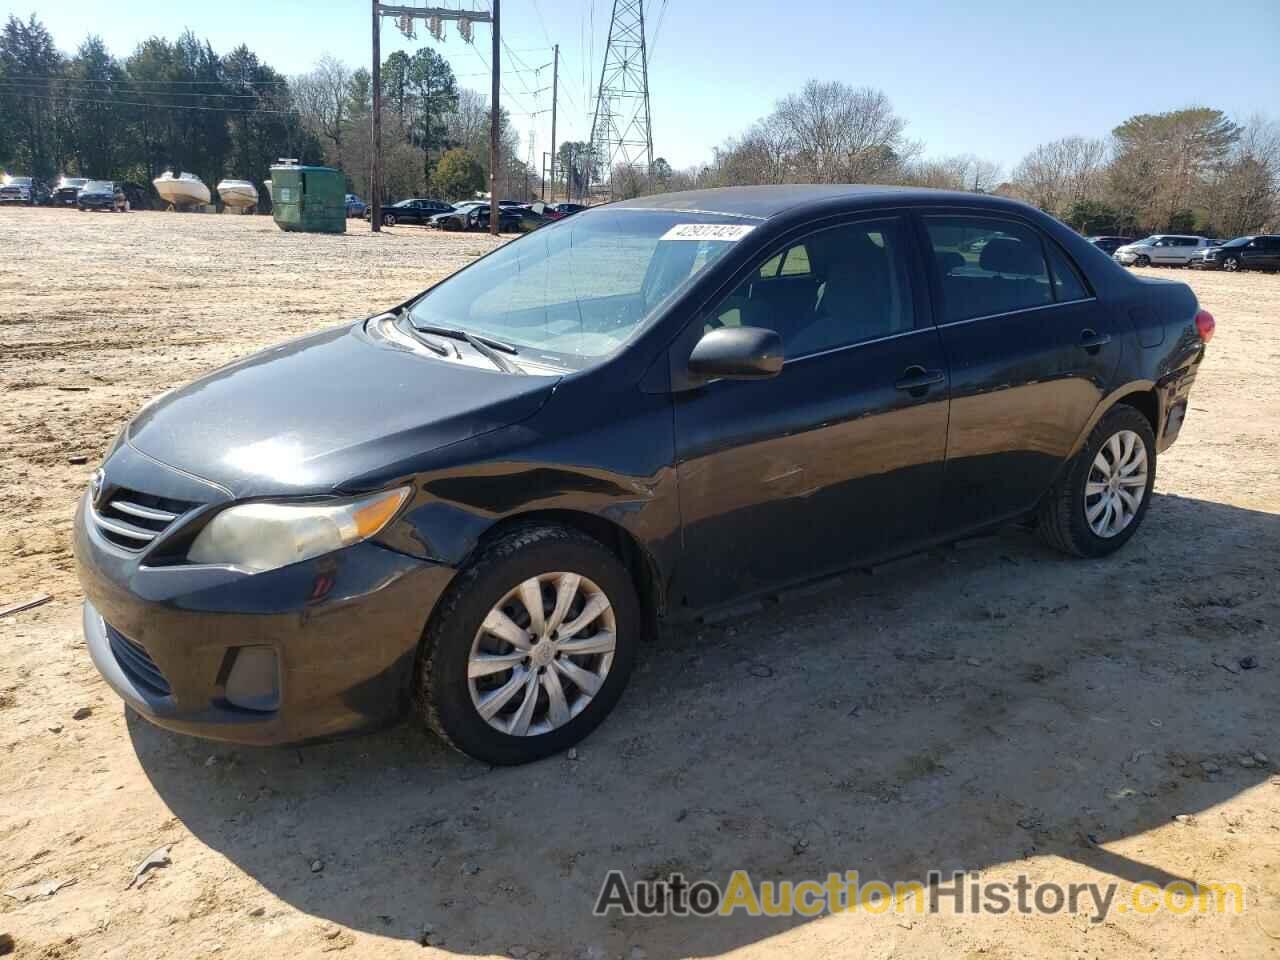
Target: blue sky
[990,77]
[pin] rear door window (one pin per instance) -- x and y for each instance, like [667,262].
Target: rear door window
[987,266]
[1068,284]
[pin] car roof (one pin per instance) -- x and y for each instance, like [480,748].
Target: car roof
[766,202]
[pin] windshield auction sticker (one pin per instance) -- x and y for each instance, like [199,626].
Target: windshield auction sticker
[731,232]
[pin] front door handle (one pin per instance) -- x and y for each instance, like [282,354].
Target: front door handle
[916,380]
[1093,341]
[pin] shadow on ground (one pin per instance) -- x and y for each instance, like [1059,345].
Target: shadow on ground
[987,704]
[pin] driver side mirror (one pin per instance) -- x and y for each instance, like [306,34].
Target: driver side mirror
[737,353]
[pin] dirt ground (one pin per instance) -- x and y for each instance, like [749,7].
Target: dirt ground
[992,707]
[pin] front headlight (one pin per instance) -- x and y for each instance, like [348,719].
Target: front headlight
[264,536]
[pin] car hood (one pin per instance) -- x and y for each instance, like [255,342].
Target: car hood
[309,415]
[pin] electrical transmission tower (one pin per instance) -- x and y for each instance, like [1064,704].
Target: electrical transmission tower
[621,134]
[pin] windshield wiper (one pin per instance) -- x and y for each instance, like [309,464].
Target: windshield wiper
[487,347]
[435,346]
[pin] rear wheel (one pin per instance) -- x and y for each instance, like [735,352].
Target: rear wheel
[530,647]
[1100,501]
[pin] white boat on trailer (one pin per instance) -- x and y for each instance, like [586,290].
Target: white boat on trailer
[185,190]
[239,195]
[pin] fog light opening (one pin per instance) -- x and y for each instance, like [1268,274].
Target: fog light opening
[254,680]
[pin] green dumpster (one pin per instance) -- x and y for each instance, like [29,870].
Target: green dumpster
[312,199]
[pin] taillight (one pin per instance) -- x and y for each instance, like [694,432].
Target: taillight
[1205,324]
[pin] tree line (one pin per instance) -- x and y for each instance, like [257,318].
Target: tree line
[179,105]
[1188,170]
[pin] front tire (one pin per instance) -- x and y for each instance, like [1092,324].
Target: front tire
[388,219]
[1101,499]
[530,647]
[1231,264]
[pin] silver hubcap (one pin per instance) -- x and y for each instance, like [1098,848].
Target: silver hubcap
[541,654]
[1230,265]
[1116,485]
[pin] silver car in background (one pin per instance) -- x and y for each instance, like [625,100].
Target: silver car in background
[1171,249]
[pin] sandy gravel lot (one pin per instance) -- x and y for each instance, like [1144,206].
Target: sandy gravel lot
[993,707]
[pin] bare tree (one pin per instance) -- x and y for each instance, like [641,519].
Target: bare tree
[1055,175]
[323,97]
[1243,192]
[961,172]
[842,134]
[826,133]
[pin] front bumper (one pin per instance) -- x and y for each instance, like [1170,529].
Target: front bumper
[344,630]
[1126,258]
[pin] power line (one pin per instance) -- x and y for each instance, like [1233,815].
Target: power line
[154,106]
[15,76]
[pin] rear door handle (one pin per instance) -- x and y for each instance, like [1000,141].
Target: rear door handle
[916,380]
[1093,341]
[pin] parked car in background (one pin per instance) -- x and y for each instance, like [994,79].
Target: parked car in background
[1242,253]
[356,207]
[101,195]
[643,413]
[509,218]
[26,190]
[1110,244]
[67,190]
[558,211]
[416,210]
[456,218]
[1164,249]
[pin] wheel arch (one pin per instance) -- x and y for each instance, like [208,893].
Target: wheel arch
[1142,395]
[639,561]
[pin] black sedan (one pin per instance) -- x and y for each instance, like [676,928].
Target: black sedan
[416,210]
[101,195]
[481,501]
[1109,245]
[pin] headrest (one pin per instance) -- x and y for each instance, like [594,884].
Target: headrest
[1007,255]
[948,260]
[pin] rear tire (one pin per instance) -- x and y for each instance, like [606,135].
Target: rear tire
[458,640]
[1071,513]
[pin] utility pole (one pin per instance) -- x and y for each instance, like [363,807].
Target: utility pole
[375,173]
[434,17]
[555,93]
[494,124]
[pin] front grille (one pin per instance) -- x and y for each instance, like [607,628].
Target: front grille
[131,519]
[136,662]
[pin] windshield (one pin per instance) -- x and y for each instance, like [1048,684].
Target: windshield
[579,288]
[17,181]
[98,186]
[74,181]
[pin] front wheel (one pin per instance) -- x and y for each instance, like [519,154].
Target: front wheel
[530,647]
[1142,260]
[1100,501]
[1231,264]
[388,219]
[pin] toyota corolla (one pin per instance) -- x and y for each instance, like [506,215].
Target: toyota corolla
[475,505]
